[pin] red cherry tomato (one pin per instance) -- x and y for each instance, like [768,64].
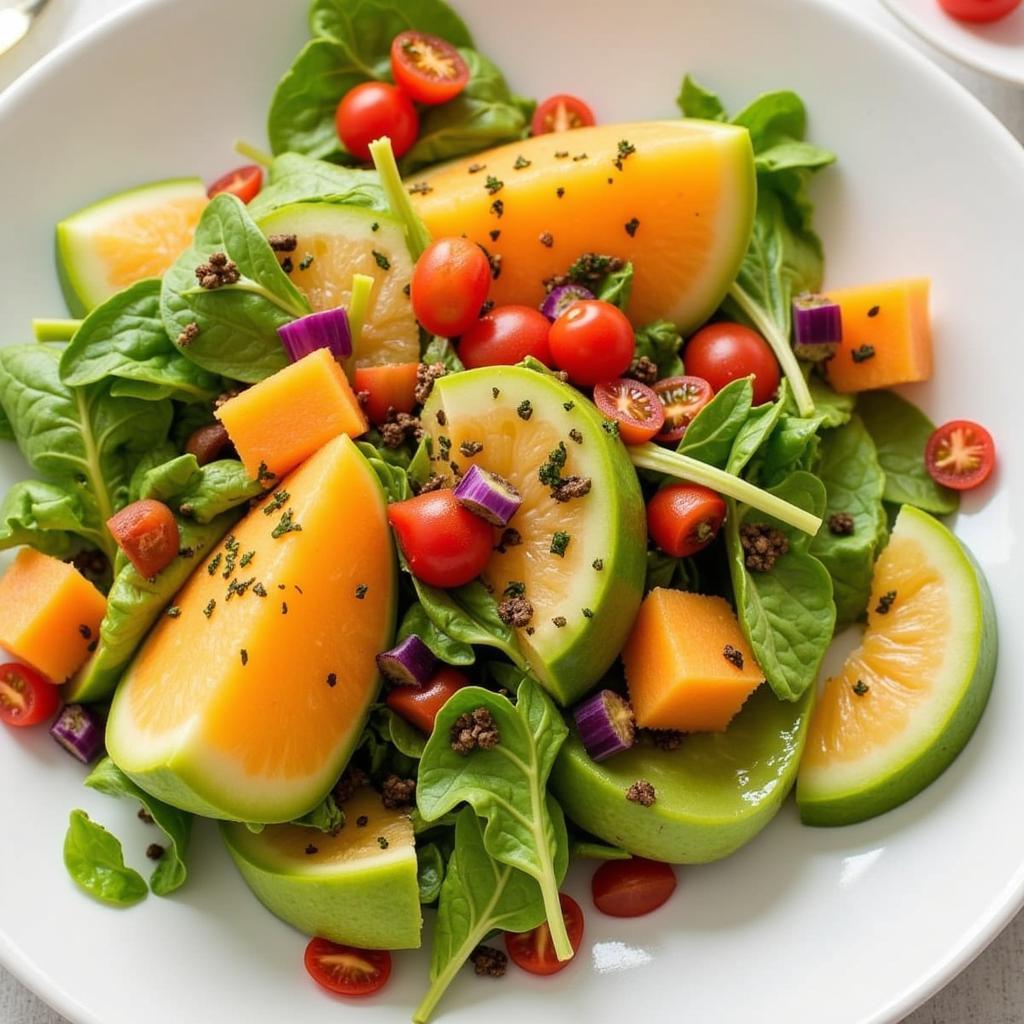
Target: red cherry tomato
[592,341]
[683,519]
[723,352]
[634,406]
[371,110]
[346,970]
[427,68]
[979,10]
[444,544]
[632,888]
[683,398]
[560,113]
[147,532]
[244,182]
[505,336]
[533,951]
[960,454]
[419,705]
[26,697]
[449,285]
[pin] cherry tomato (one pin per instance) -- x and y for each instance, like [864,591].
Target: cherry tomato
[147,532]
[371,110]
[449,285]
[389,386]
[560,113]
[723,352]
[592,341]
[683,398]
[244,182]
[960,454]
[444,544]
[505,336]
[534,951]
[632,888]
[26,697]
[634,406]
[429,69]
[347,970]
[419,705]
[979,10]
[683,519]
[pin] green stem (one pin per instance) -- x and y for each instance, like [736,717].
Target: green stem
[55,330]
[257,156]
[362,285]
[417,237]
[661,460]
[440,984]
[780,346]
[246,284]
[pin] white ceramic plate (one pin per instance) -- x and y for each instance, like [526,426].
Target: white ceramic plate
[802,926]
[996,48]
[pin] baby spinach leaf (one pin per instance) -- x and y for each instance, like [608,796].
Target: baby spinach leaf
[441,350]
[45,516]
[660,342]
[793,445]
[711,435]
[369,26]
[95,862]
[755,431]
[696,101]
[327,816]
[831,407]
[393,478]
[673,573]
[219,487]
[443,647]
[295,178]
[617,286]
[430,871]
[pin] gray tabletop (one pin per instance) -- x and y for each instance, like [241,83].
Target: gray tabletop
[991,990]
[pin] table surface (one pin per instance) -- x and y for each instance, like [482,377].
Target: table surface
[989,991]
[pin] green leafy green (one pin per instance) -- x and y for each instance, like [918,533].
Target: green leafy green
[444,647]
[696,101]
[219,487]
[660,342]
[47,517]
[673,573]
[441,350]
[327,817]
[369,26]
[792,445]
[831,407]
[393,478]
[710,436]
[756,430]
[430,871]
[616,287]
[405,737]
[95,862]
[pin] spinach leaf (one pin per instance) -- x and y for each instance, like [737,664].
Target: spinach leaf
[660,342]
[393,478]
[369,26]
[171,871]
[673,573]
[443,647]
[430,871]
[711,435]
[124,338]
[616,286]
[441,350]
[295,178]
[405,737]
[327,817]
[237,323]
[45,516]
[419,465]
[833,408]
[900,432]
[696,101]
[793,445]
[755,431]
[95,862]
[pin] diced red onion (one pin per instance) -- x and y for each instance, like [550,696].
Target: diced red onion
[410,663]
[79,730]
[817,327]
[328,329]
[605,723]
[488,495]
[559,299]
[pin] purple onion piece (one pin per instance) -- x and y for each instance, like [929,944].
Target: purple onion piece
[410,663]
[328,329]
[79,730]
[605,723]
[817,327]
[559,299]
[488,495]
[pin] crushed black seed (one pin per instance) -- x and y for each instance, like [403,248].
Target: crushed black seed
[862,353]
[332,679]
[874,311]
[381,260]
[732,655]
[860,687]
[885,602]
[631,225]
[361,591]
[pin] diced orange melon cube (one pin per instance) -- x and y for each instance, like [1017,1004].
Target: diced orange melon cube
[887,336]
[50,614]
[688,665]
[281,421]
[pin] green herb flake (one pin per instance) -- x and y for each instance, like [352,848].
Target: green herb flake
[576,436]
[493,185]
[569,406]
[521,163]
[213,564]
[208,610]
[307,261]
[625,150]
[259,590]
[246,559]
[381,260]
[860,687]
[173,612]
[588,613]
[598,564]
[495,392]
[611,427]
[263,474]
[286,525]
[280,497]
[382,842]
[524,409]
[559,542]
[515,588]
[863,353]
[375,226]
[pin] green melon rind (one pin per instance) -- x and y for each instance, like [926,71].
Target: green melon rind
[823,802]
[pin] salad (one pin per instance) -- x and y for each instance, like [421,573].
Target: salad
[468,487]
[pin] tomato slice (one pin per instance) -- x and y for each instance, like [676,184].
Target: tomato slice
[244,182]
[347,970]
[960,454]
[979,10]
[534,951]
[560,113]
[26,697]
[683,398]
[429,69]
[633,405]
[419,705]
[147,532]
[389,386]
[631,888]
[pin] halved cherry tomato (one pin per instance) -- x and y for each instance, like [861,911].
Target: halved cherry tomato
[371,110]
[634,406]
[429,69]
[444,544]
[631,888]
[683,398]
[346,970]
[960,454]
[505,336]
[389,386]
[534,951]
[560,113]
[592,341]
[419,705]
[449,286]
[26,697]
[147,532]
[244,182]
[723,352]
[683,519]
[979,10]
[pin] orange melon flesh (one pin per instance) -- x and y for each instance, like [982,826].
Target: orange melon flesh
[676,669]
[49,614]
[680,207]
[284,419]
[893,319]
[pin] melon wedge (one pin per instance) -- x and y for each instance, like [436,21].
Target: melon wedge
[248,704]
[908,699]
[680,206]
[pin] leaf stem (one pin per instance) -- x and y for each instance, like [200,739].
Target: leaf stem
[417,237]
[257,156]
[362,285]
[440,984]
[55,330]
